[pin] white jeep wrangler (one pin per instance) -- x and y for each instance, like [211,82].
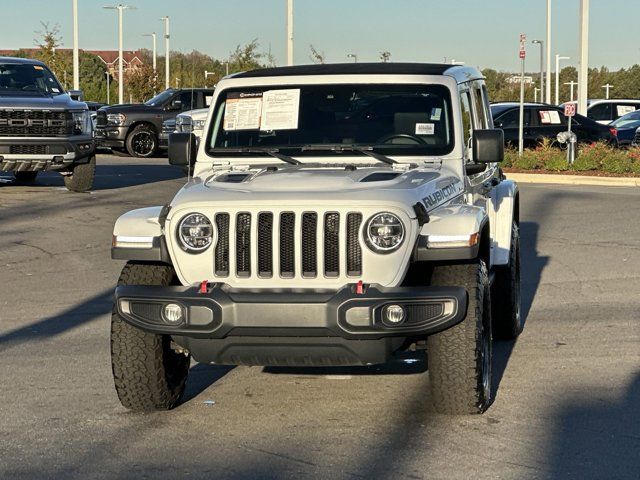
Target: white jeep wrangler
[337,215]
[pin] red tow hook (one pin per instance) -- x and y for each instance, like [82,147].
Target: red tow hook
[359,288]
[204,287]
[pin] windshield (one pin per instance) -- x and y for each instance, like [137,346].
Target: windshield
[28,79]
[631,120]
[392,119]
[159,99]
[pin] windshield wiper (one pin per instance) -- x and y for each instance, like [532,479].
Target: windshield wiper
[368,151]
[273,152]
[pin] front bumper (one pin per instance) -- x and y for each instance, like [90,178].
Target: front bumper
[19,154]
[292,327]
[111,136]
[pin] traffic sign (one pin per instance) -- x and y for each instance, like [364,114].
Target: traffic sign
[523,41]
[570,110]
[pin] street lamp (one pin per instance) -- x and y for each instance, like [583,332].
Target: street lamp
[571,84]
[541,43]
[535,94]
[548,89]
[155,74]
[120,8]
[558,58]
[289,32]
[607,87]
[354,56]
[166,50]
[108,87]
[76,54]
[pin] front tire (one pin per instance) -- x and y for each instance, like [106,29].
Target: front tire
[459,359]
[148,374]
[506,299]
[142,142]
[81,177]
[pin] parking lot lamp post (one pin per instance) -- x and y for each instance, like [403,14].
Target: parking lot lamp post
[541,43]
[289,32]
[535,94]
[120,8]
[166,52]
[548,92]
[558,58]
[583,60]
[155,74]
[607,88]
[76,54]
[571,85]
[354,56]
[108,87]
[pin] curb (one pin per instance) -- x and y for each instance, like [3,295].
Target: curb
[574,179]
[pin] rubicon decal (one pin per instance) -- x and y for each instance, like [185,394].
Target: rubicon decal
[446,192]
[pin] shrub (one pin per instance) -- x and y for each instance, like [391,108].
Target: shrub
[617,163]
[557,163]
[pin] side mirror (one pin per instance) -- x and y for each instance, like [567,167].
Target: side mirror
[183,149]
[176,104]
[76,95]
[488,146]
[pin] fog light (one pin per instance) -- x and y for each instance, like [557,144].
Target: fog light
[173,313]
[393,314]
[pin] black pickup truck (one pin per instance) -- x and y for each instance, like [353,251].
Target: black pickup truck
[42,127]
[134,128]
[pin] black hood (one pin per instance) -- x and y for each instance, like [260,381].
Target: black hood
[35,102]
[130,108]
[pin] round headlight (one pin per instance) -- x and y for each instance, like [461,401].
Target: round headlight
[195,233]
[384,232]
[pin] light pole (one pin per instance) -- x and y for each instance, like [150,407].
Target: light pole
[535,94]
[76,54]
[108,87]
[571,84]
[289,32]
[120,8]
[607,87]
[541,43]
[354,56]
[583,62]
[166,52]
[548,96]
[207,73]
[155,73]
[558,58]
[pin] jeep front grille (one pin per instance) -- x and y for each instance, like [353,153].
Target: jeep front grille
[35,123]
[270,243]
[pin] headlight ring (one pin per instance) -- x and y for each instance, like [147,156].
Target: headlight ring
[195,233]
[384,232]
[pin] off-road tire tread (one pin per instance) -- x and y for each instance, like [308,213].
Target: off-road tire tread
[81,179]
[147,373]
[505,324]
[454,359]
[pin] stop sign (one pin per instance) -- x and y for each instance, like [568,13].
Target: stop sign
[570,110]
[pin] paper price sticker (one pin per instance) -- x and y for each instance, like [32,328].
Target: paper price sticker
[280,109]
[243,111]
[425,129]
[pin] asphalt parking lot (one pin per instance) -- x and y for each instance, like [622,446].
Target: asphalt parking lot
[567,392]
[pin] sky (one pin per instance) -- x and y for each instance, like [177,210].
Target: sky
[482,33]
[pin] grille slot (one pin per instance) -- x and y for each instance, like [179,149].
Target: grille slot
[423,313]
[29,149]
[309,245]
[332,244]
[243,244]
[354,251]
[222,248]
[101,120]
[35,123]
[150,312]
[265,245]
[287,244]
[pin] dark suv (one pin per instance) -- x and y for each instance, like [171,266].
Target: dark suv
[134,128]
[42,127]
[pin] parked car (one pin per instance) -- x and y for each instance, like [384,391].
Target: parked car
[192,121]
[545,121]
[625,128]
[135,128]
[606,111]
[168,127]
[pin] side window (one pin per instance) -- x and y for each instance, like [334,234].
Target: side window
[467,117]
[622,109]
[600,112]
[188,99]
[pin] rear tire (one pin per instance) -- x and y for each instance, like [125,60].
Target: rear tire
[459,359]
[81,178]
[506,299]
[25,178]
[142,142]
[148,374]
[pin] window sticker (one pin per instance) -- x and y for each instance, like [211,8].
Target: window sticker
[555,117]
[550,117]
[280,109]
[624,109]
[425,129]
[243,111]
[436,114]
[207,100]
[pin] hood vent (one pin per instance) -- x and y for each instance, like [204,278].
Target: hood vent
[233,177]
[380,177]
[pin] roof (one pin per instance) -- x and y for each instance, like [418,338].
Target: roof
[387,68]
[27,61]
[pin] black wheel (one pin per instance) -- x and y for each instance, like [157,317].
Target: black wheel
[25,178]
[148,374]
[506,300]
[459,358]
[142,142]
[81,177]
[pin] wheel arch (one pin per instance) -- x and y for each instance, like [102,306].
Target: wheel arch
[503,208]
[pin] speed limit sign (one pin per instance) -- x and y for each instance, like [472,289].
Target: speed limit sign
[570,110]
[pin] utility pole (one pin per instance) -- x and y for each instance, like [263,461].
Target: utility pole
[571,85]
[167,79]
[354,56]
[541,43]
[558,58]
[120,8]
[535,94]
[289,32]
[155,72]
[548,96]
[108,87]
[607,87]
[76,53]
[583,64]
[523,55]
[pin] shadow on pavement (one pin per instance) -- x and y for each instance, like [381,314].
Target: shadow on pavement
[201,377]
[595,438]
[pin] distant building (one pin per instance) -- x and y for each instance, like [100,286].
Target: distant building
[516,79]
[132,59]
